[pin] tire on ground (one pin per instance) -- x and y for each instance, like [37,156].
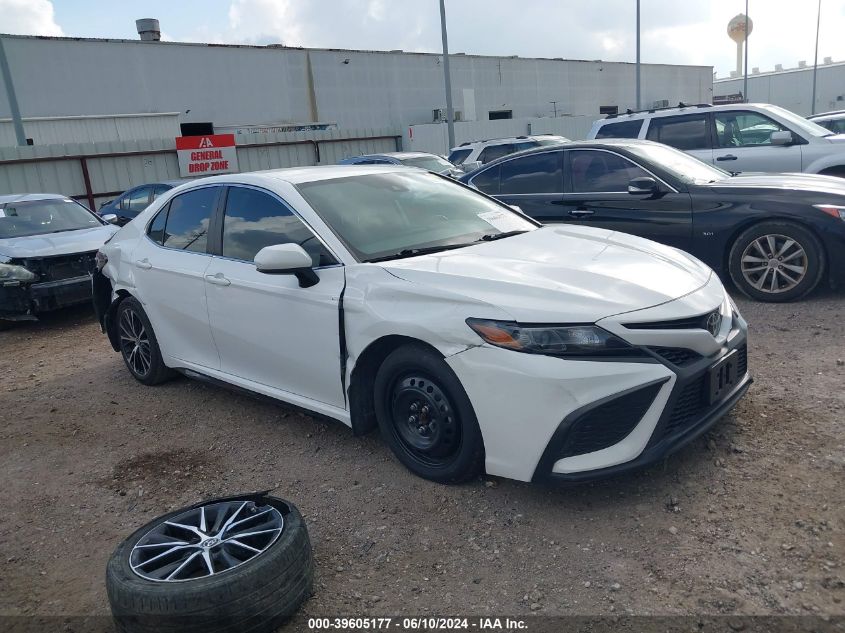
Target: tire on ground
[812,248]
[468,460]
[256,596]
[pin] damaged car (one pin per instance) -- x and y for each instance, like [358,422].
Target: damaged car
[473,337]
[47,248]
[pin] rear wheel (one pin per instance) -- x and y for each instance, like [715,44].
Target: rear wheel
[776,261]
[138,344]
[426,417]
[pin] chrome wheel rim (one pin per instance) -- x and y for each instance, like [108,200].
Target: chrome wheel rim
[135,343]
[206,541]
[774,263]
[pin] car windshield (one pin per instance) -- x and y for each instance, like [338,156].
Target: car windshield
[803,125]
[400,214]
[431,163]
[680,164]
[38,217]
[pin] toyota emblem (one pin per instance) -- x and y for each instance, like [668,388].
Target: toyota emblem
[714,322]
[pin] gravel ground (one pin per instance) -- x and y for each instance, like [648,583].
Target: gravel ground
[747,520]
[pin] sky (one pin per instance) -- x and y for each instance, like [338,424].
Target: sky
[673,31]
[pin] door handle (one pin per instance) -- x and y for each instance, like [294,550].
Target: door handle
[143,264]
[581,213]
[726,157]
[218,280]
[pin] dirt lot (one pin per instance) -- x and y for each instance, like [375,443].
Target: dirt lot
[748,520]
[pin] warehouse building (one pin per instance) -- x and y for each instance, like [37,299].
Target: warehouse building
[790,88]
[241,88]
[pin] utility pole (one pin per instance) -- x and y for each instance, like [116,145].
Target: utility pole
[639,92]
[554,107]
[816,61]
[450,112]
[745,80]
[13,99]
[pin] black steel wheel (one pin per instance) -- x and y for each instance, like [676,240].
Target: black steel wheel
[426,417]
[138,344]
[776,261]
[227,565]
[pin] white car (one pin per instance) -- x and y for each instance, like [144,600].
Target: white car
[388,296]
[742,137]
[833,121]
[473,154]
[47,247]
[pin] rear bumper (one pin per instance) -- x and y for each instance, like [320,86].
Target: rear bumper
[25,301]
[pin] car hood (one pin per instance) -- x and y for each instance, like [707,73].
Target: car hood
[64,243]
[793,182]
[835,138]
[561,274]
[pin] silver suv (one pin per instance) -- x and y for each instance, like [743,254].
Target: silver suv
[736,137]
[473,154]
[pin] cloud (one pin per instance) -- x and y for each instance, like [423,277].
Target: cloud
[673,32]
[29,17]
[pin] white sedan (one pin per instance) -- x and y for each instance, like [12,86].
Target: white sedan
[474,338]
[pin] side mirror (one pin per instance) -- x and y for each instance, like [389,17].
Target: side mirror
[643,186]
[471,166]
[111,218]
[287,259]
[782,137]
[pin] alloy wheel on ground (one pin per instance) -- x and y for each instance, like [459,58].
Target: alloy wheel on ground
[774,263]
[135,342]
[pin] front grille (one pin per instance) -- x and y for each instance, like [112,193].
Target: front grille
[742,360]
[62,266]
[690,323]
[677,355]
[609,423]
[691,403]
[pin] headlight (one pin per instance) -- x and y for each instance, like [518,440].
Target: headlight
[554,340]
[835,210]
[11,272]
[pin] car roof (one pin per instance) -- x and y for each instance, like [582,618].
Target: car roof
[827,116]
[624,143]
[27,197]
[681,108]
[398,155]
[298,175]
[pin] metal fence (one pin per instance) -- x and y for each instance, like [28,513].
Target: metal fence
[96,172]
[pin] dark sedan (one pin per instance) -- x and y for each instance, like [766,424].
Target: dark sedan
[131,202]
[776,235]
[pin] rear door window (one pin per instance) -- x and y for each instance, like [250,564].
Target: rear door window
[686,132]
[139,199]
[537,173]
[188,218]
[493,152]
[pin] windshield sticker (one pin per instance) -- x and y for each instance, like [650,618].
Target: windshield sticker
[503,221]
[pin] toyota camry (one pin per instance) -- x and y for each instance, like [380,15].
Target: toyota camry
[473,337]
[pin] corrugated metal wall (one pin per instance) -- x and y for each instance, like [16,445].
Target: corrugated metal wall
[92,129]
[113,167]
[433,137]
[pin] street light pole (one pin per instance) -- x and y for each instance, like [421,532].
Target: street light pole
[745,75]
[450,113]
[13,99]
[816,61]
[639,93]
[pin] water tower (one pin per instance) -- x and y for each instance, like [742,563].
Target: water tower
[736,31]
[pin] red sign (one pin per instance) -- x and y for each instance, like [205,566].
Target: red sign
[207,155]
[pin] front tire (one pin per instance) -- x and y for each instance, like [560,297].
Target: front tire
[138,344]
[426,417]
[776,262]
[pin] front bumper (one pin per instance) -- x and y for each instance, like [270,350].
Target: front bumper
[545,418]
[23,302]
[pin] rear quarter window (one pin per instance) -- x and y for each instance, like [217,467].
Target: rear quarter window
[620,129]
